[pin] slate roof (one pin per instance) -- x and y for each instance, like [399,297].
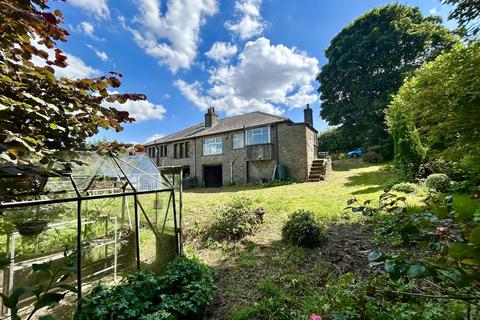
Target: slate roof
[247,120]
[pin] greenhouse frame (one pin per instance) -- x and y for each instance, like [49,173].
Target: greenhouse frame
[114,214]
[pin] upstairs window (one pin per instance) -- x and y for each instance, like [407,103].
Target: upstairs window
[181,150]
[238,140]
[258,136]
[163,151]
[212,146]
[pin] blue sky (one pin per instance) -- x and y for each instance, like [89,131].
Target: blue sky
[187,55]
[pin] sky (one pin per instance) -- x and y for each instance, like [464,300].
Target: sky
[238,56]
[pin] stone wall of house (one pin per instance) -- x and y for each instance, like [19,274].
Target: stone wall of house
[259,171]
[292,150]
[229,159]
[311,147]
[293,146]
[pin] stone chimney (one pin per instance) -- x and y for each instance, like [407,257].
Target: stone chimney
[308,115]
[211,118]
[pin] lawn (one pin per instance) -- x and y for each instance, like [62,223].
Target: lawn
[260,272]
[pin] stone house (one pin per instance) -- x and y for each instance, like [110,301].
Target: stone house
[241,149]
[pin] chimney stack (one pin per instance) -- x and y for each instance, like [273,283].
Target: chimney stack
[211,118]
[308,115]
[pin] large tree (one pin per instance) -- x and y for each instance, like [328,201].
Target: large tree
[467,13]
[45,119]
[441,105]
[367,63]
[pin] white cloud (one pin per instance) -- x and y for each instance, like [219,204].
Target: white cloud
[76,67]
[99,8]
[141,110]
[172,37]
[433,11]
[101,54]
[251,22]
[265,78]
[88,29]
[156,136]
[222,51]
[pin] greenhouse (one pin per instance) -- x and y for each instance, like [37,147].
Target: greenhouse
[106,217]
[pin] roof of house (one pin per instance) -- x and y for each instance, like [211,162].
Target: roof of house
[247,120]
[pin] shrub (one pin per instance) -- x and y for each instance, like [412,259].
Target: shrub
[438,182]
[462,187]
[303,229]
[182,292]
[135,296]
[372,157]
[406,187]
[187,286]
[234,220]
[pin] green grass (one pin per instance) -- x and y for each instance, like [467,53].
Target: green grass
[297,274]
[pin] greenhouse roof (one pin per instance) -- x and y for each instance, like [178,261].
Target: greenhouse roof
[98,175]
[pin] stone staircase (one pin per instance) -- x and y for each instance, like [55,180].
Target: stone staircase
[318,170]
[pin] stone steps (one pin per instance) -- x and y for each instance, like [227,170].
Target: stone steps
[317,171]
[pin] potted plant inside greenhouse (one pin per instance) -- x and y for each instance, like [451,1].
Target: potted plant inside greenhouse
[32,221]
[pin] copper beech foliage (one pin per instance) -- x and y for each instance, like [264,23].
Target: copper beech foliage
[46,119]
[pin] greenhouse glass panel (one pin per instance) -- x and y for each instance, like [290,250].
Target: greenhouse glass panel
[99,220]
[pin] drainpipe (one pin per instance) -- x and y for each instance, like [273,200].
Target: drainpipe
[157,155]
[231,169]
[195,158]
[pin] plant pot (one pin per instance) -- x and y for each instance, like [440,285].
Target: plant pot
[31,227]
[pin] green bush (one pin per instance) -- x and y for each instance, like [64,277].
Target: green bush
[438,106]
[438,182]
[183,292]
[372,157]
[234,220]
[406,187]
[462,187]
[303,229]
[349,297]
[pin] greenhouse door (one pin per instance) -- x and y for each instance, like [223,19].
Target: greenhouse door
[212,176]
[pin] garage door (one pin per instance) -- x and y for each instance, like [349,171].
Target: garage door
[212,176]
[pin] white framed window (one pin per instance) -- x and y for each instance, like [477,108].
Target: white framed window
[258,136]
[212,146]
[238,140]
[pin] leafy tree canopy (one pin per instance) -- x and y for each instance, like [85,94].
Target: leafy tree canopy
[43,117]
[467,12]
[442,103]
[367,63]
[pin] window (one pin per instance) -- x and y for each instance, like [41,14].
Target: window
[151,152]
[163,151]
[181,150]
[187,149]
[212,146]
[238,140]
[258,135]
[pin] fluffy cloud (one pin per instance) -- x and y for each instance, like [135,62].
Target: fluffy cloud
[156,136]
[266,77]
[250,23]
[178,27]
[221,51]
[88,29]
[76,68]
[101,54]
[99,8]
[140,110]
